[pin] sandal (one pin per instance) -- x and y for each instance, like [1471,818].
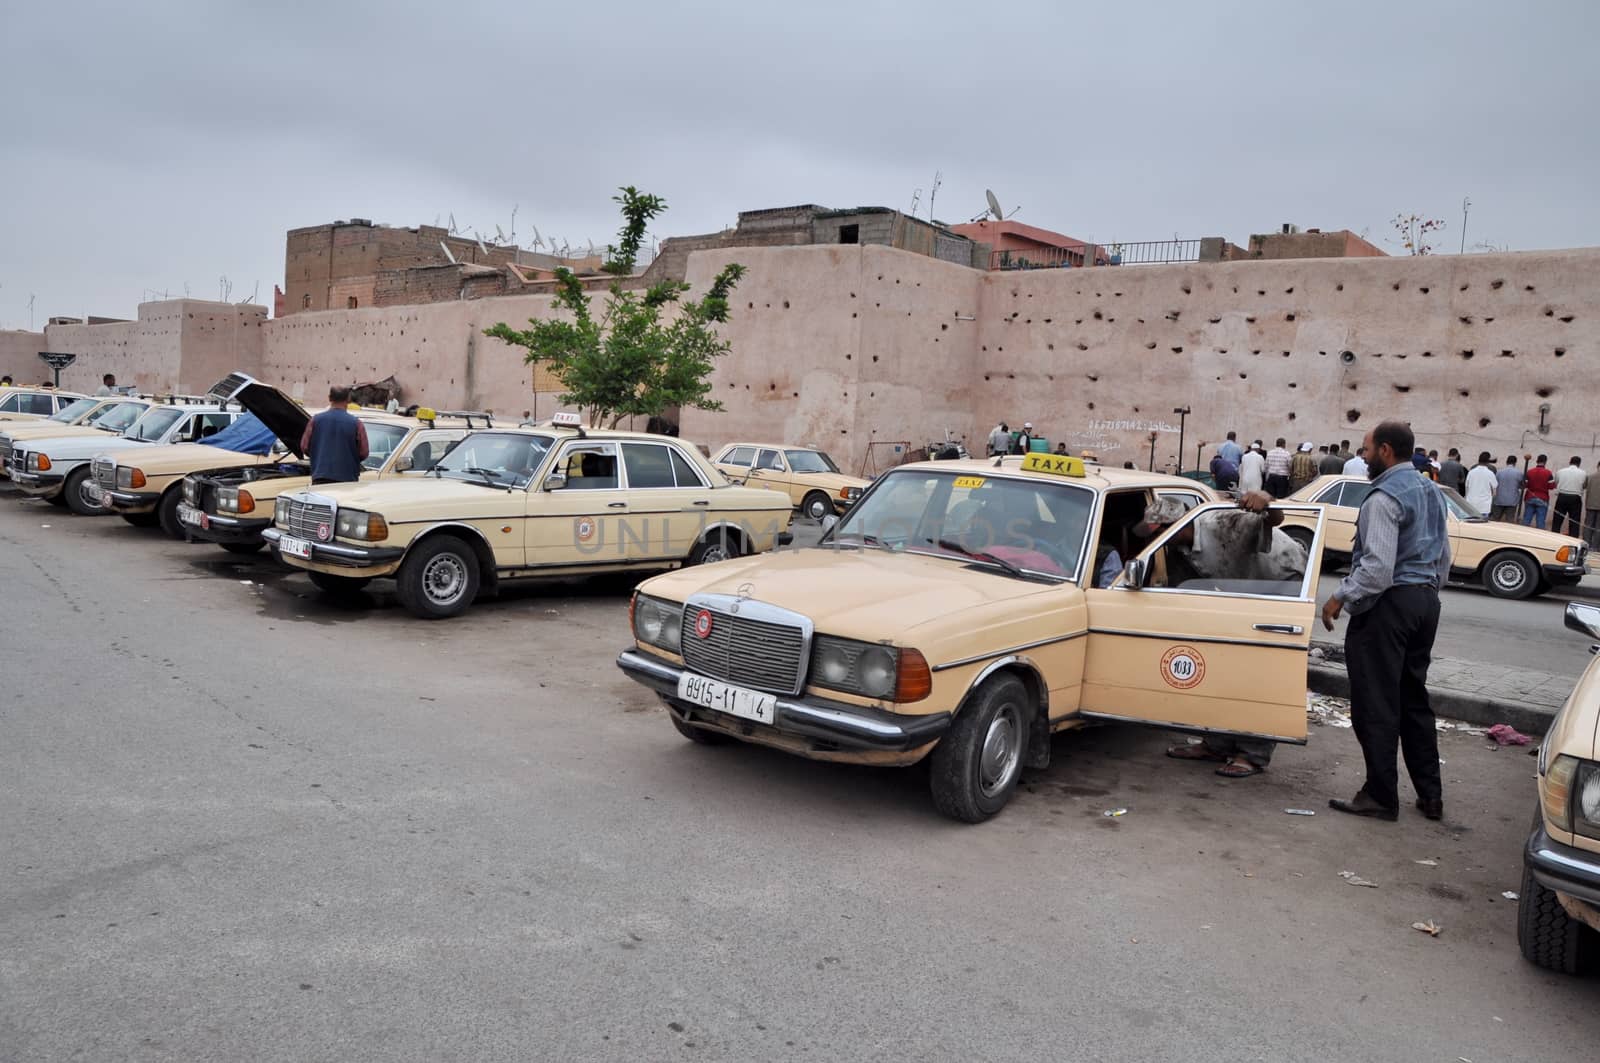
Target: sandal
[1193,751]
[1238,770]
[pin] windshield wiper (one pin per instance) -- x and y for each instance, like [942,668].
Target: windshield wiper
[488,475]
[980,555]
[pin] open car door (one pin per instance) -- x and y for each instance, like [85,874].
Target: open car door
[1191,653]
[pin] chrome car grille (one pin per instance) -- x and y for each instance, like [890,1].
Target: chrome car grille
[17,461]
[749,643]
[5,451]
[104,471]
[305,520]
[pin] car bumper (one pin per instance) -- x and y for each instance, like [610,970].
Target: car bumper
[1569,870]
[37,481]
[340,555]
[834,724]
[1567,573]
[131,501]
[216,528]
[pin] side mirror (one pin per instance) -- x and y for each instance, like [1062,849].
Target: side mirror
[1584,619]
[829,522]
[403,463]
[1133,571]
[555,481]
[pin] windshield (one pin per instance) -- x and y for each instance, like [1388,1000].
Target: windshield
[116,418]
[810,461]
[1035,525]
[381,441]
[71,413]
[154,424]
[504,459]
[1459,507]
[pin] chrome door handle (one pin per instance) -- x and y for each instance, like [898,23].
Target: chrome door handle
[1282,629]
[703,502]
[616,505]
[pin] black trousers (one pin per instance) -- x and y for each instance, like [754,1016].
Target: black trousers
[1387,650]
[1278,486]
[1568,507]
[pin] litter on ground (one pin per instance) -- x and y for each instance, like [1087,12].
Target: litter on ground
[1112,813]
[1511,895]
[1426,863]
[1430,928]
[1299,812]
[1356,880]
[1506,735]
[1325,711]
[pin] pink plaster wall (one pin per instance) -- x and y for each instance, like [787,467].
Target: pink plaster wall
[19,356]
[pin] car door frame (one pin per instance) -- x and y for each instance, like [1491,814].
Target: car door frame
[1151,650]
[596,516]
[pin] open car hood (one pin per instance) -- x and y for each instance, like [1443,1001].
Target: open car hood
[283,416]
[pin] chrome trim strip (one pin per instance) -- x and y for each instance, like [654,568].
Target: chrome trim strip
[1027,662]
[1014,649]
[1167,637]
[1185,728]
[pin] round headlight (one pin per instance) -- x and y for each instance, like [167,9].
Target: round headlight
[875,670]
[352,523]
[672,632]
[280,510]
[833,665]
[1589,798]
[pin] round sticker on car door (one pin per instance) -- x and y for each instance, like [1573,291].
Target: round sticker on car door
[584,528]
[1183,667]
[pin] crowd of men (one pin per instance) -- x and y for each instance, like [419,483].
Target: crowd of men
[1532,493]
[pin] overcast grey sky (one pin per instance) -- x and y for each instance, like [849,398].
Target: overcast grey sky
[159,144]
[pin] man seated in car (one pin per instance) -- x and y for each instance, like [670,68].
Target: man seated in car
[1241,546]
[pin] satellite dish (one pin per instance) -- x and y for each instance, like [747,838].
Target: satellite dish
[538,241]
[994,206]
[499,234]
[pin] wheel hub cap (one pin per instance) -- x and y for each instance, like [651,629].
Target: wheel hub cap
[444,579]
[999,758]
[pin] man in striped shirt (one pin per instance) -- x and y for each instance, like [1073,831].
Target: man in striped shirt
[1278,460]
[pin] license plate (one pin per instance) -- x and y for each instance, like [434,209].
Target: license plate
[294,547]
[94,493]
[188,514]
[735,701]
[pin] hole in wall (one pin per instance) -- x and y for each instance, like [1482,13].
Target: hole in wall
[1286,354]
[1465,319]
[944,327]
[1214,320]
[1467,354]
[1150,346]
[1261,291]
[1172,315]
[1291,415]
[1351,385]
[1185,287]
[1560,351]
[1250,319]
[1488,321]
[1463,392]
[1497,284]
[1177,350]
[1083,346]
[1098,316]
[1427,354]
[1549,311]
[1395,285]
[1347,357]
[1565,319]
[1091,405]
[1483,422]
[1352,416]
[1544,393]
[1244,376]
[1049,346]
[1338,287]
[1292,384]
[1506,354]
[1424,290]
[1288,317]
[874,358]
[1402,388]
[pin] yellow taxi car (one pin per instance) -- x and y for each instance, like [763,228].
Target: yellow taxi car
[1508,560]
[1558,909]
[232,507]
[33,404]
[964,611]
[525,503]
[809,477]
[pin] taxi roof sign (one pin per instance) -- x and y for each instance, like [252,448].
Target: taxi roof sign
[566,420]
[1054,464]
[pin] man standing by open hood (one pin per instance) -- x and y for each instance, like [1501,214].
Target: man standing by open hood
[335,441]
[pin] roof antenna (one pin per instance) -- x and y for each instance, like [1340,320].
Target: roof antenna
[938,179]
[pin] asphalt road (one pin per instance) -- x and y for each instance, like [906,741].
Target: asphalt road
[243,823]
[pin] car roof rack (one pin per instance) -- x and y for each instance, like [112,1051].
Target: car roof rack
[424,413]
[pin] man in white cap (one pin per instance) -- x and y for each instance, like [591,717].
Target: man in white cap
[1303,467]
[1242,544]
[1024,441]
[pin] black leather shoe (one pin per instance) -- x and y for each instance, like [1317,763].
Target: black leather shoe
[1362,805]
[1432,808]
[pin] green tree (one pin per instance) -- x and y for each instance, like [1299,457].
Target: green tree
[646,351]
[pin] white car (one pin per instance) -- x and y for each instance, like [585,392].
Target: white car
[59,468]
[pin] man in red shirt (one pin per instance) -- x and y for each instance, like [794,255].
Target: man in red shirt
[1536,496]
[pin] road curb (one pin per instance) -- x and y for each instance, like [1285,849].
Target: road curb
[1452,704]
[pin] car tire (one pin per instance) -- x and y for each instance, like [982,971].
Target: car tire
[438,579]
[339,586]
[1510,575]
[976,765]
[243,548]
[1547,935]
[167,514]
[72,491]
[816,505]
[713,548]
[698,735]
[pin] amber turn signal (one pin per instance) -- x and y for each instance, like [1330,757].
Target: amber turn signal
[136,478]
[247,504]
[377,527]
[1564,554]
[44,462]
[914,680]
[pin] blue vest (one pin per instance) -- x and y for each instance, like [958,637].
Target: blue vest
[1424,533]
[334,446]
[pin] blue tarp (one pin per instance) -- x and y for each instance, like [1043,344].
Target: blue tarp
[247,435]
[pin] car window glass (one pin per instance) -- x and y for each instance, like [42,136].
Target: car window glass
[1038,525]
[381,441]
[429,447]
[212,423]
[590,467]
[42,405]
[809,461]
[1458,506]
[1227,551]
[683,472]
[1122,511]
[9,403]
[120,416]
[73,410]
[1329,495]
[770,460]
[1354,494]
[154,424]
[739,456]
[648,465]
[501,459]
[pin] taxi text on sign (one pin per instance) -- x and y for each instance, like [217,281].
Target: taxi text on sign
[1055,464]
